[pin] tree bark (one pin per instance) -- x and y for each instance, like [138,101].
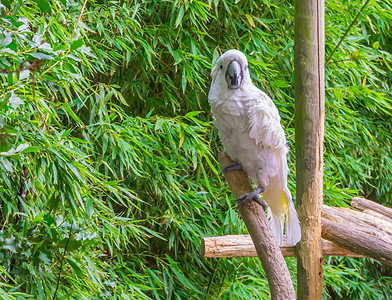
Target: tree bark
[309,137]
[230,246]
[279,279]
[377,215]
[340,218]
[362,204]
[357,241]
[370,219]
[346,233]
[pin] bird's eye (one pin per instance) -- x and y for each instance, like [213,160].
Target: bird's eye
[221,67]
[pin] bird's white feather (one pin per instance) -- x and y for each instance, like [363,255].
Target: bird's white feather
[251,133]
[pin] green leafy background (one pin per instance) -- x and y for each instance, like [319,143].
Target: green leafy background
[107,148]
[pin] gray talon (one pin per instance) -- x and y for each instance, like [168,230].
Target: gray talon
[232,167]
[253,195]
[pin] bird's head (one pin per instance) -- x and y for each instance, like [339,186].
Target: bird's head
[231,70]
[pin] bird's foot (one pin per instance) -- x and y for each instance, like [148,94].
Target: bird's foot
[232,167]
[253,195]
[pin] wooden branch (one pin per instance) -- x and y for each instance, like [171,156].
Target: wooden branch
[377,215]
[355,234]
[368,219]
[309,137]
[346,233]
[242,246]
[274,265]
[353,224]
[362,204]
[357,241]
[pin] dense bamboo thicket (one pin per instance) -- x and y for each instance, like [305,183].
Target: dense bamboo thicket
[108,172]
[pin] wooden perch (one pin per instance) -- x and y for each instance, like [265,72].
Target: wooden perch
[242,246]
[362,204]
[335,215]
[344,229]
[356,235]
[274,265]
[357,241]
[372,220]
[377,215]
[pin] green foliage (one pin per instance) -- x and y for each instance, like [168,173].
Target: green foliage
[107,172]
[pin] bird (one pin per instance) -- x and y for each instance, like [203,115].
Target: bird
[249,128]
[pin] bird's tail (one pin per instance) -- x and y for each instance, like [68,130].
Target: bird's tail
[282,215]
[281,211]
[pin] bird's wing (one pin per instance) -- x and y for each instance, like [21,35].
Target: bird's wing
[265,128]
[264,123]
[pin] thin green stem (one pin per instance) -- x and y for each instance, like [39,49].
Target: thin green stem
[61,263]
[347,31]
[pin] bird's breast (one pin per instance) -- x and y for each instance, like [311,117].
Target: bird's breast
[232,122]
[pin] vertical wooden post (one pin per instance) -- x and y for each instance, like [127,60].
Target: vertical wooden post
[309,137]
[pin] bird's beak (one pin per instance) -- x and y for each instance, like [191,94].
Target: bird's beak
[234,75]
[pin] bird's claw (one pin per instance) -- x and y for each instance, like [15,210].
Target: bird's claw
[231,167]
[253,195]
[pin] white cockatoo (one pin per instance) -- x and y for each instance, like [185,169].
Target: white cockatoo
[251,133]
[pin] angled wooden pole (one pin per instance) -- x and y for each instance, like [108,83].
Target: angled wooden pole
[309,136]
[268,251]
